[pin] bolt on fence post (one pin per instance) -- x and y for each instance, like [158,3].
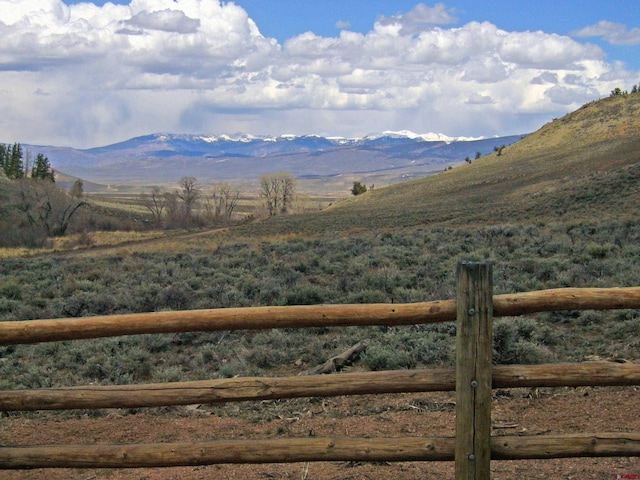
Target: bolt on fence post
[474,347]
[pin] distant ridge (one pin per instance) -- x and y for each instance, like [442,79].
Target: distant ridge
[386,158]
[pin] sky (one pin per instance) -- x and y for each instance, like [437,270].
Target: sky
[87,74]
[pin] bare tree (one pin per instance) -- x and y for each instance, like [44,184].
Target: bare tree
[77,189]
[288,192]
[172,207]
[278,191]
[225,200]
[189,193]
[155,202]
[269,191]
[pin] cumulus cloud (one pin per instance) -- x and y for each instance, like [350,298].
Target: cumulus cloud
[614,33]
[85,75]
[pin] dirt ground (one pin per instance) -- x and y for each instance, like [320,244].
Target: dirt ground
[514,412]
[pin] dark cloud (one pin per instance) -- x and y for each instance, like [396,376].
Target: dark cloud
[569,96]
[545,77]
[164,20]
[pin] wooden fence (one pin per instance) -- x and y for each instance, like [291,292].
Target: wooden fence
[472,448]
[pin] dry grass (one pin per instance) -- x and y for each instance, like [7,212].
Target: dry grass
[82,241]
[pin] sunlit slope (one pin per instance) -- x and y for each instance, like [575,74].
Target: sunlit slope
[583,166]
[586,163]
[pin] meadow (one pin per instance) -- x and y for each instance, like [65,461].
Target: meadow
[404,265]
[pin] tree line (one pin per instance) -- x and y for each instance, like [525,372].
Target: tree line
[15,166]
[618,91]
[191,205]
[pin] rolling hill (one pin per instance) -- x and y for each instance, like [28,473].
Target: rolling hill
[583,165]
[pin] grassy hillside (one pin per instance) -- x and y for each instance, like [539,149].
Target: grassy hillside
[582,165]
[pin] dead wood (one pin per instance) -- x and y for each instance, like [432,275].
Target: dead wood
[337,363]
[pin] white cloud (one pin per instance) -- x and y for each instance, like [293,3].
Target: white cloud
[543,50]
[485,70]
[84,75]
[614,33]
[420,18]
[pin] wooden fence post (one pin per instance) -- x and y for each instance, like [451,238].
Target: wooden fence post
[474,347]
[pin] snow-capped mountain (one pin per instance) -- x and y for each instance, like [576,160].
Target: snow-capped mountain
[424,137]
[166,157]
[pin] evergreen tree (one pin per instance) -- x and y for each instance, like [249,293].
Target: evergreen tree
[42,168]
[12,161]
[4,154]
[358,188]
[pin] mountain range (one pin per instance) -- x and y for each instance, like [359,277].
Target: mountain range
[163,158]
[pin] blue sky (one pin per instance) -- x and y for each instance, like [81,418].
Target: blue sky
[552,16]
[88,74]
[283,19]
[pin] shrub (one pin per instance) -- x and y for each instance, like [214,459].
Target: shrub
[174,297]
[516,342]
[227,371]
[306,295]
[367,296]
[11,290]
[386,357]
[33,377]
[598,251]
[76,306]
[8,306]
[170,374]
[155,343]
[528,353]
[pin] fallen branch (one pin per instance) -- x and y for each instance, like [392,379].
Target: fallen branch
[337,363]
